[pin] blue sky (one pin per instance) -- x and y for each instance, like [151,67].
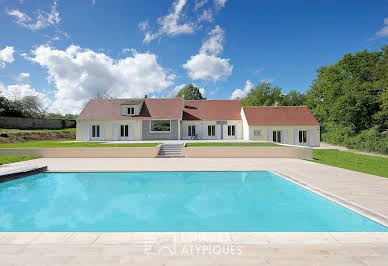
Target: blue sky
[66,52]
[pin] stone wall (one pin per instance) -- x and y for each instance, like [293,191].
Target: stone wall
[35,123]
[148,135]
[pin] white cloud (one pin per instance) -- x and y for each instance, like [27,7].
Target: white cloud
[6,55]
[220,3]
[213,45]
[93,2]
[267,80]
[43,19]
[80,74]
[207,15]
[384,31]
[143,25]
[199,4]
[241,93]
[21,77]
[18,91]
[169,24]
[206,65]
[261,69]
[172,93]
[202,91]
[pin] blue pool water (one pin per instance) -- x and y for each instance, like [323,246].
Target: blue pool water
[170,201]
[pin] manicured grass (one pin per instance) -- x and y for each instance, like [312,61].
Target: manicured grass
[195,144]
[63,144]
[16,158]
[45,130]
[357,162]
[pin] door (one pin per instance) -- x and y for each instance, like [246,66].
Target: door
[126,132]
[96,132]
[277,136]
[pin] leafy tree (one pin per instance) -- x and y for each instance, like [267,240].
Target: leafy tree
[264,94]
[293,98]
[190,92]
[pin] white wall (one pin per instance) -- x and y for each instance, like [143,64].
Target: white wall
[202,129]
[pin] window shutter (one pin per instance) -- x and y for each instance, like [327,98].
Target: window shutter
[218,131]
[198,131]
[115,132]
[130,132]
[296,137]
[185,131]
[269,137]
[285,136]
[225,131]
[86,132]
[238,131]
[204,131]
[102,131]
[311,137]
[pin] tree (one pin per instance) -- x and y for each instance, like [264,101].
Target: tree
[190,92]
[263,95]
[347,93]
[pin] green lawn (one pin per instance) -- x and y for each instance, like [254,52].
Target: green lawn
[16,158]
[63,144]
[197,144]
[357,162]
[32,130]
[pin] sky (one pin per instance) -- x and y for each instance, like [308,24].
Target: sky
[67,52]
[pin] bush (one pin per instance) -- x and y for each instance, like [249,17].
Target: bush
[367,140]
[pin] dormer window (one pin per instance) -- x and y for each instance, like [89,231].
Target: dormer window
[131,111]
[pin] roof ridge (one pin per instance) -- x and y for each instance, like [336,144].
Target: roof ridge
[288,106]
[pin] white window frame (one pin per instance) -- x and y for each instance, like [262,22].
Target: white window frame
[191,130]
[302,137]
[278,133]
[125,130]
[159,131]
[257,132]
[131,110]
[231,130]
[94,131]
[212,130]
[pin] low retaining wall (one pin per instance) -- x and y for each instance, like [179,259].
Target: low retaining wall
[35,123]
[108,152]
[248,152]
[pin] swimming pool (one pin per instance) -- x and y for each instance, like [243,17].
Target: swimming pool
[170,201]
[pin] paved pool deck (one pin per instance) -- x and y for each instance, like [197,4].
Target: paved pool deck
[366,194]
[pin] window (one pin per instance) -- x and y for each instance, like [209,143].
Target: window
[95,131]
[191,132]
[257,133]
[277,136]
[211,130]
[160,126]
[231,130]
[131,110]
[302,136]
[124,130]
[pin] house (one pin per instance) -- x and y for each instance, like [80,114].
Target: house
[175,119]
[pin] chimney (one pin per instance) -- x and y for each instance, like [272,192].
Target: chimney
[276,104]
[145,96]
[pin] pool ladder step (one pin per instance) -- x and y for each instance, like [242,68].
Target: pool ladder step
[170,151]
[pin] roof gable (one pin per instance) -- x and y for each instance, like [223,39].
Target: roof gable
[282,115]
[152,108]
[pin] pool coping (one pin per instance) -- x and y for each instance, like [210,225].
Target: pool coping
[373,215]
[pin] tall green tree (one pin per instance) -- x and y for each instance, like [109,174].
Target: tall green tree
[190,92]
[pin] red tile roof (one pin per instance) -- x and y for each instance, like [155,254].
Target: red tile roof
[282,115]
[212,110]
[152,108]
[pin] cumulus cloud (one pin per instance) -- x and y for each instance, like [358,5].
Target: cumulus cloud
[6,56]
[18,91]
[143,25]
[384,31]
[21,77]
[241,93]
[206,65]
[43,18]
[172,93]
[80,74]
[170,24]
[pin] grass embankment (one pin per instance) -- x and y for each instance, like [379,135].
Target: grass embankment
[194,144]
[16,158]
[357,162]
[64,144]
[38,130]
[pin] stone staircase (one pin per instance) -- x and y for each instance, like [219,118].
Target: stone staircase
[170,151]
